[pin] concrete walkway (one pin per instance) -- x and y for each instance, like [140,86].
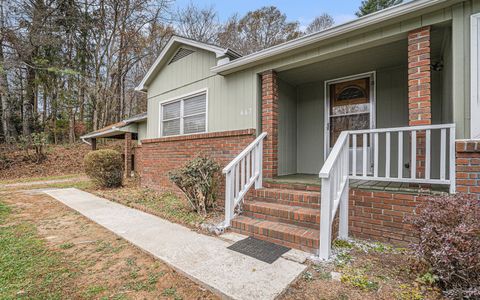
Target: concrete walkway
[204,259]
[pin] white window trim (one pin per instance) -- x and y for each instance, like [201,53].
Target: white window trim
[373,96]
[180,98]
[474,76]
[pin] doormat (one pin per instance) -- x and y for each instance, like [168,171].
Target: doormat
[261,250]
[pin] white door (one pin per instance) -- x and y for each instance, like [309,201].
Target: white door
[350,106]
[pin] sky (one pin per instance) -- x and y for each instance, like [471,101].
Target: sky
[303,11]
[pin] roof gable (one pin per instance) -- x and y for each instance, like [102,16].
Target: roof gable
[168,53]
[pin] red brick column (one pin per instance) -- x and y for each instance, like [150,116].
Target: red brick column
[468,167]
[270,123]
[128,154]
[419,96]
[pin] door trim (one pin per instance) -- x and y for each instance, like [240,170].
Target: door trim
[326,134]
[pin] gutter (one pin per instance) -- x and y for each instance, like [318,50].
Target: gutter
[90,136]
[371,19]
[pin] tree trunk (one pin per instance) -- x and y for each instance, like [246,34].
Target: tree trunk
[28,102]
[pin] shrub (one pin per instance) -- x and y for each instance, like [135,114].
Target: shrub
[198,180]
[104,167]
[449,243]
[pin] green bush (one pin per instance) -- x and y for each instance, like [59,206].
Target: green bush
[198,180]
[104,167]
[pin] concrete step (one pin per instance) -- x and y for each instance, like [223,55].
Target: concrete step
[310,199]
[295,215]
[306,239]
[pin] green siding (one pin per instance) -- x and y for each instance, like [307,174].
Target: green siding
[231,99]
[310,126]
[287,129]
[142,131]
[461,62]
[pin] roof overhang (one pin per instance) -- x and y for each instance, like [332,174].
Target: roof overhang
[388,14]
[114,131]
[172,46]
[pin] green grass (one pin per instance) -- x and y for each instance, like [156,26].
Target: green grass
[27,269]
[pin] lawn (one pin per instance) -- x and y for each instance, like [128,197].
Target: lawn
[48,251]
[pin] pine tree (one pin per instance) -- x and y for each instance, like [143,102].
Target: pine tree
[370,6]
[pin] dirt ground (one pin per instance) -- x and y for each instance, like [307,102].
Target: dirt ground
[104,265]
[60,160]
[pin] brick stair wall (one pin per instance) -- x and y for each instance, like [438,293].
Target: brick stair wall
[290,215]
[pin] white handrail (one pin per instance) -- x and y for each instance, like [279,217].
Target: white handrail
[334,193]
[240,174]
[335,173]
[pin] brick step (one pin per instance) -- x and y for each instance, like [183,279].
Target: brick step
[296,215]
[306,239]
[291,186]
[308,199]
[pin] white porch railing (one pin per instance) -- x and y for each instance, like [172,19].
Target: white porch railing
[335,172]
[334,176]
[240,174]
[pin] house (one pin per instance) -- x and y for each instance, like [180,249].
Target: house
[345,130]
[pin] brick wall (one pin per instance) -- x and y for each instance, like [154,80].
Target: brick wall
[158,156]
[380,215]
[419,96]
[137,151]
[270,123]
[468,167]
[128,154]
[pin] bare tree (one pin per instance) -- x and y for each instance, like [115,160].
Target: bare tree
[200,24]
[320,23]
[258,29]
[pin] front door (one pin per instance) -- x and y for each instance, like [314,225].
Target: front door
[350,107]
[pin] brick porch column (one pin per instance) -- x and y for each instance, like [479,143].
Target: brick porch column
[270,123]
[467,165]
[419,96]
[128,154]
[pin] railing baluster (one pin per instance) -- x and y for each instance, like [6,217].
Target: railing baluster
[451,173]
[364,154]
[400,154]
[237,181]
[242,172]
[442,153]
[375,155]
[248,167]
[354,154]
[229,198]
[387,155]
[413,155]
[427,154]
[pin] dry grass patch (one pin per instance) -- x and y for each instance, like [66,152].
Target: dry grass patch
[55,253]
[364,270]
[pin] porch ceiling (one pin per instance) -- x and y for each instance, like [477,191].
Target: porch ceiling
[384,56]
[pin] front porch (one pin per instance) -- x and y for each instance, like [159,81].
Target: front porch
[310,118]
[312,182]
[351,144]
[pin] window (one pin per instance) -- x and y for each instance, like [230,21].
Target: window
[184,116]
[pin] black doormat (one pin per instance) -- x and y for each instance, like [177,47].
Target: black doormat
[261,250]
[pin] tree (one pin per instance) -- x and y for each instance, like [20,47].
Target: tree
[200,24]
[257,30]
[322,22]
[370,6]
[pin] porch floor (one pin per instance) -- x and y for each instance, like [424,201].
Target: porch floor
[312,179]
